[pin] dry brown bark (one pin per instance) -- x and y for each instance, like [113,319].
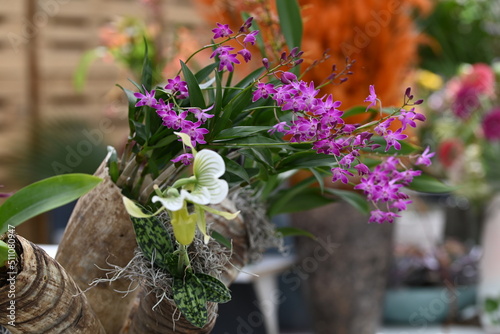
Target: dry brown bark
[100,233]
[47,300]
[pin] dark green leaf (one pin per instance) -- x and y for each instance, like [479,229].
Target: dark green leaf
[261,154]
[491,305]
[307,159]
[42,196]
[359,110]
[147,69]
[244,83]
[320,178]
[218,100]
[428,184]
[189,296]
[253,141]
[203,74]
[236,169]
[356,200]
[288,231]
[406,148]
[165,141]
[132,110]
[290,22]
[195,94]
[221,239]
[303,200]
[114,171]
[153,239]
[215,290]
[240,132]
[236,105]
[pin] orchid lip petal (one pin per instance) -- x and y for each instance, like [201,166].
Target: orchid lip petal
[170,203]
[200,195]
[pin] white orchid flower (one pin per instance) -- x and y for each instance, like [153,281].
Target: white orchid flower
[201,189]
[208,189]
[173,201]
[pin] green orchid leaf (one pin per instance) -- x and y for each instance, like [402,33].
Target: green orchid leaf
[215,290]
[244,83]
[253,141]
[133,112]
[307,159]
[358,110]
[203,74]
[236,105]
[217,104]
[195,94]
[406,148]
[320,177]
[355,199]
[428,184]
[190,298]
[224,214]
[491,305]
[114,170]
[288,231]
[240,132]
[153,240]
[80,76]
[234,168]
[221,239]
[147,69]
[260,154]
[298,201]
[43,196]
[290,22]
[133,209]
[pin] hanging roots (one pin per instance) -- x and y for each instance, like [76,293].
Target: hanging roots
[208,258]
[261,232]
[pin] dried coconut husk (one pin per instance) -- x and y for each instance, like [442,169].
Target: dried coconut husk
[155,311]
[100,233]
[47,300]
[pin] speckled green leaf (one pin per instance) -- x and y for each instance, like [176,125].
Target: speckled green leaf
[154,240]
[215,290]
[189,296]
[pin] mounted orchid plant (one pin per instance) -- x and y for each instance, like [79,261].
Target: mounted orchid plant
[201,134]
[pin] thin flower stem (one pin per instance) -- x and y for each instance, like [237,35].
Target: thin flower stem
[184,261]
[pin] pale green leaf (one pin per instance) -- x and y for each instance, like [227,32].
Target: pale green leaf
[133,209]
[224,214]
[356,200]
[43,196]
[428,184]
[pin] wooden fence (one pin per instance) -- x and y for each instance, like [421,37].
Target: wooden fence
[41,45]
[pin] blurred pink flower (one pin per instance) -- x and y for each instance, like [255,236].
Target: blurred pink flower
[466,89]
[491,125]
[482,78]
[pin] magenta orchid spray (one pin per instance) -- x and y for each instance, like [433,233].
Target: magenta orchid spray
[200,135]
